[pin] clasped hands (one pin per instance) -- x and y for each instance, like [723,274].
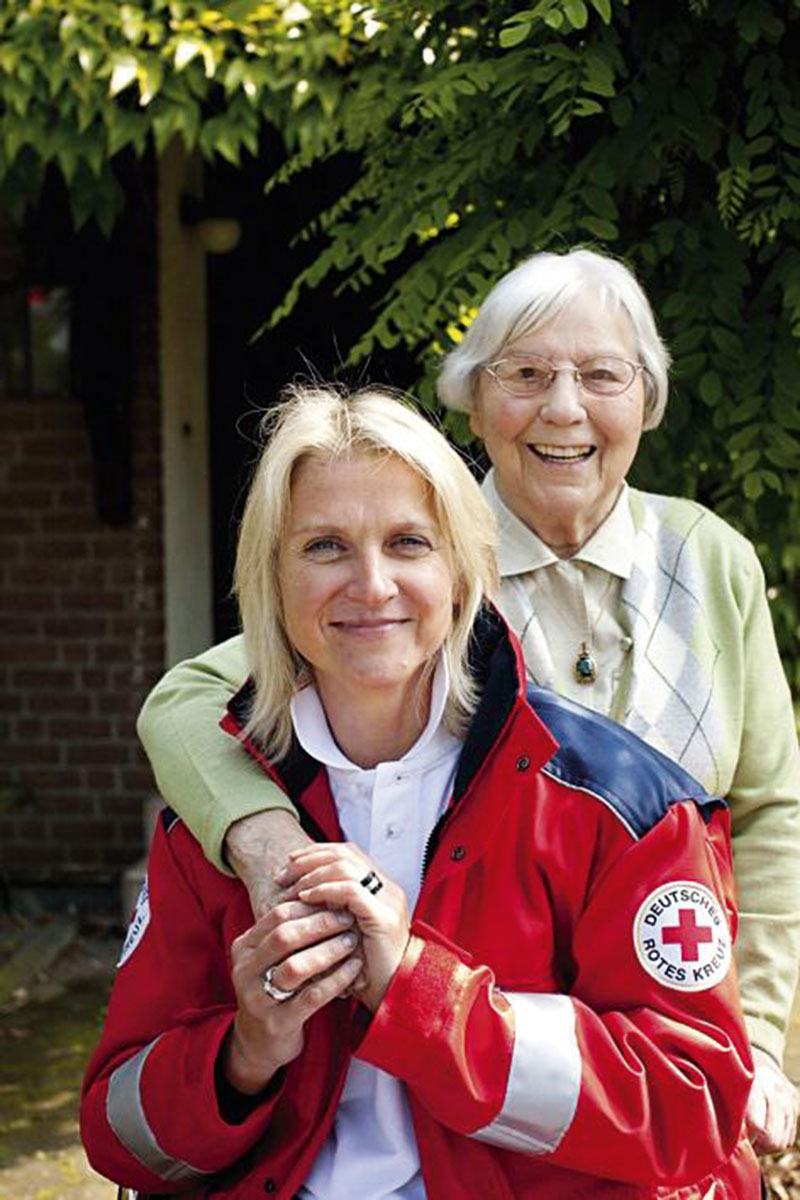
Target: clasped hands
[311,940]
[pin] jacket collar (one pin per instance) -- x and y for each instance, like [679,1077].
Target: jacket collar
[498,668]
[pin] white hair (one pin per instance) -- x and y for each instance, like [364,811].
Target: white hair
[536,292]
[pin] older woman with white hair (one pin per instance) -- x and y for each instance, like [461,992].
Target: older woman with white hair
[559,1017]
[646,608]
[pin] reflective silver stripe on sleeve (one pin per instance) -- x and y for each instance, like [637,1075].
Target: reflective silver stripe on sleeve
[545,1077]
[127,1118]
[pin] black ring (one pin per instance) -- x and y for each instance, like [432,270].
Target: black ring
[372,883]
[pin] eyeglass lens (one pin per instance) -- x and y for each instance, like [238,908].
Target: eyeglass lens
[527,376]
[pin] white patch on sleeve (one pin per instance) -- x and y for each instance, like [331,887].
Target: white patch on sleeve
[681,937]
[139,923]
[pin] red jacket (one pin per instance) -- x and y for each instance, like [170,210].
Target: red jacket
[565,1017]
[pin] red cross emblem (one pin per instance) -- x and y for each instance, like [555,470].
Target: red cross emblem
[688,934]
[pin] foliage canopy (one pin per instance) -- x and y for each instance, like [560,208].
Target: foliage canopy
[666,131]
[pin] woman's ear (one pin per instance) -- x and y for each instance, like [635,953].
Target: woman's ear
[476,416]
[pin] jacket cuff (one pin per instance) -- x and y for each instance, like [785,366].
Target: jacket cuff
[445,1030]
[194,1067]
[765,1036]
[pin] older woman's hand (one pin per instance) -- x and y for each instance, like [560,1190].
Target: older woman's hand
[772,1109]
[257,848]
[340,875]
[308,955]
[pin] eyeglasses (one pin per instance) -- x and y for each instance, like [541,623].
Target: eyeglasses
[526,375]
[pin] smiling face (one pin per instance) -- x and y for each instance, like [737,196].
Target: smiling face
[560,457]
[365,580]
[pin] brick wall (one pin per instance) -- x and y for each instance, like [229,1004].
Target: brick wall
[81,637]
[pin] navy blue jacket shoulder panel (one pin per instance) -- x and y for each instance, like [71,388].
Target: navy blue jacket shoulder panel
[169,819]
[633,779]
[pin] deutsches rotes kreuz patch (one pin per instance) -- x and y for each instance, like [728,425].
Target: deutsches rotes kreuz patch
[139,922]
[681,937]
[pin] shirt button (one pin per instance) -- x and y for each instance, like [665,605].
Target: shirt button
[392,830]
[457,853]
[523,762]
[270,1186]
[627,644]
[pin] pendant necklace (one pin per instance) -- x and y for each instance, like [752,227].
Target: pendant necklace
[585,666]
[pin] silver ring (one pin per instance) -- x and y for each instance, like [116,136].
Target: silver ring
[372,883]
[272,989]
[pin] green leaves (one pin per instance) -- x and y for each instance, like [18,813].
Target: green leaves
[132,74]
[603,7]
[560,15]
[665,133]
[710,388]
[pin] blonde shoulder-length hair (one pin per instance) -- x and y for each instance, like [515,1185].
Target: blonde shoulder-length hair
[327,423]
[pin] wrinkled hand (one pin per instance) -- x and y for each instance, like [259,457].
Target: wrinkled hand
[257,848]
[330,873]
[312,955]
[772,1109]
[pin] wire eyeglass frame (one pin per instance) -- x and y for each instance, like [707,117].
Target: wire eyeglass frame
[531,388]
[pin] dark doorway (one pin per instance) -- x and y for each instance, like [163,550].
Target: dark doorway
[245,376]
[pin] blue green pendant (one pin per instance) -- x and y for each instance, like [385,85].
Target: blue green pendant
[585,666]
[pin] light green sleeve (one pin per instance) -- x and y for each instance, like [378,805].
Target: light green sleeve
[201,771]
[765,815]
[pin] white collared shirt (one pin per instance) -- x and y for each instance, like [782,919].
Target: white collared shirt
[542,597]
[390,812]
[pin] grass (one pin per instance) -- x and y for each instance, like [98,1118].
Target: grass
[44,1047]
